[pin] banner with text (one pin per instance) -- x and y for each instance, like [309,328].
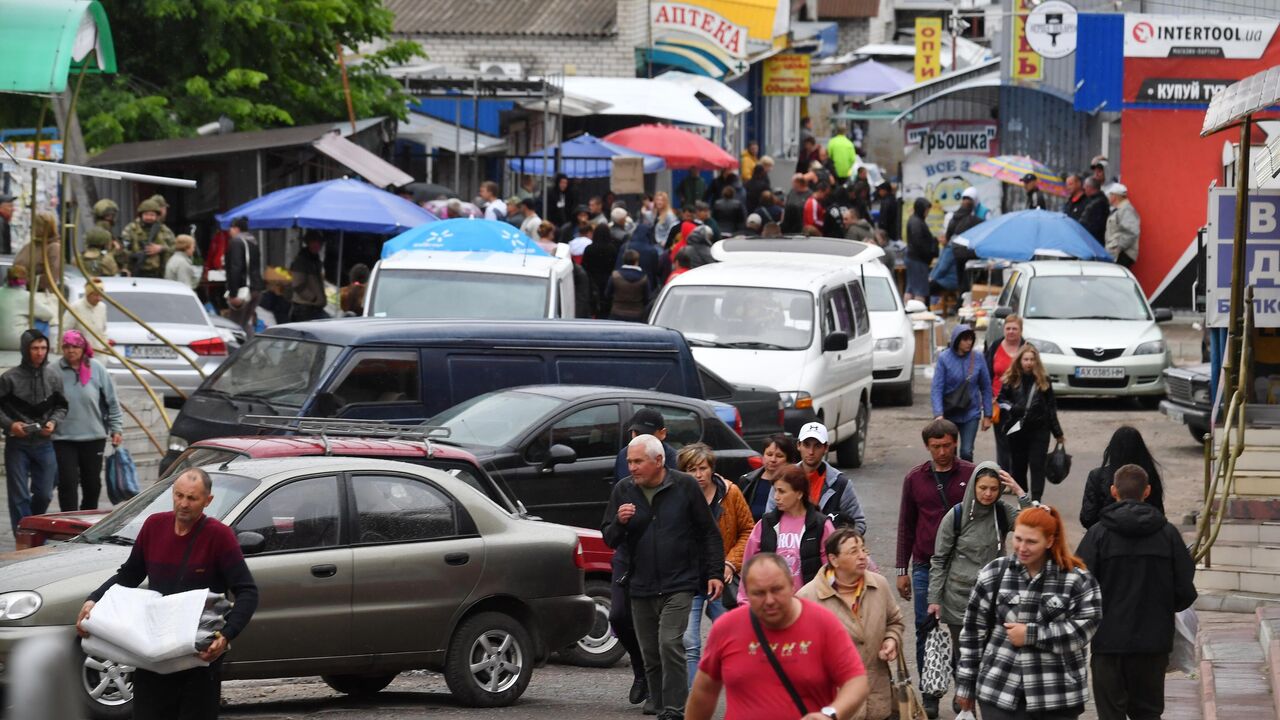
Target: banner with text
[1027,63]
[928,48]
[786,75]
[936,161]
[1262,255]
[1165,36]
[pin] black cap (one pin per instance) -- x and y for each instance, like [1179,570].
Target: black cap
[581,210]
[5,197]
[1029,177]
[647,421]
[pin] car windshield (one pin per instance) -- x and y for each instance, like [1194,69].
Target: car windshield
[1085,297]
[282,371]
[402,293]
[121,527]
[157,308]
[494,419]
[739,317]
[881,295]
[201,456]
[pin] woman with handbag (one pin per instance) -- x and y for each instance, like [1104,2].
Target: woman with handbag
[779,451]
[961,389]
[1126,447]
[93,415]
[1027,628]
[730,511]
[795,529]
[1028,416]
[864,602]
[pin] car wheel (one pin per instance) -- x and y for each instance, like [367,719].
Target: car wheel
[853,449]
[490,661]
[598,648]
[358,684]
[108,689]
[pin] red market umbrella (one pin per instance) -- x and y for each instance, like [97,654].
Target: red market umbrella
[683,150]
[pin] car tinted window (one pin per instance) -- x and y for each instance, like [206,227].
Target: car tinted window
[661,373]
[1006,296]
[302,515]
[712,388]
[684,426]
[157,308]
[592,432]
[384,377]
[837,312]
[472,375]
[861,320]
[399,509]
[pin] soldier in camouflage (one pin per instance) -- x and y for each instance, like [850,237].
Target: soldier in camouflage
[104,216]
[97,255]
[147,242]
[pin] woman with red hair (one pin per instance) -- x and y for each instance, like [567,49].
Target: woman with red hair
[1031,615]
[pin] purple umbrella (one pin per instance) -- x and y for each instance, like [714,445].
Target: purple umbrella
[865,78]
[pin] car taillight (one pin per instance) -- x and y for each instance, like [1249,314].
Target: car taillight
[737,422]
[755,462]
[25,538]
[579,561]
[209,346]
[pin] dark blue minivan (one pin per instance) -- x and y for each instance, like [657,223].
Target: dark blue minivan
[398,369]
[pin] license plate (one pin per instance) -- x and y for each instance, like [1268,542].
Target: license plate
[150,352]
[1174,415]
[1100,373]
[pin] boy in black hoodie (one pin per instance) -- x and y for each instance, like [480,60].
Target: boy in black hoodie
[31,406]
[1147,576]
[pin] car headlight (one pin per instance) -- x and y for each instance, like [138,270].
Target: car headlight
[1200,394]
[1045,347]
[178,444]
[797,399]
[1155,347]
[889,344]
[18,605]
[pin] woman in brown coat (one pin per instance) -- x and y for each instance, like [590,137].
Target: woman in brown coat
[864,602]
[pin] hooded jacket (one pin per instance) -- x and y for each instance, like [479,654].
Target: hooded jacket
[951,370]
[922,246]
[1146,575]
[650,256]
[958,558]
[31,393]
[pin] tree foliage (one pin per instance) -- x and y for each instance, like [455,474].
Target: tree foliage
[260,63]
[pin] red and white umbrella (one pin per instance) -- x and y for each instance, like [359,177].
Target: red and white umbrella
[683,150]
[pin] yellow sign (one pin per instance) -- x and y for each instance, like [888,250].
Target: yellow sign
[1027,63]
[928,48]
[786,75]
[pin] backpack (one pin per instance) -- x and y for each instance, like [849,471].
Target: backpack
[1002,520]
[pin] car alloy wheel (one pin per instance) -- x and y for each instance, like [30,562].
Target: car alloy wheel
[107,682]
[599,648]
[496,661]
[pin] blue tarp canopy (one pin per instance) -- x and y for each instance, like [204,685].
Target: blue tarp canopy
[585,156]
[865,78]
[464,235]
[347,205]
[1026,234]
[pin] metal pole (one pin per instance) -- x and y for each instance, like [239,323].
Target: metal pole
[457,145]
[342,241]
[475,132]
[32,279]
[1235,322]
[546,141]
[955,25]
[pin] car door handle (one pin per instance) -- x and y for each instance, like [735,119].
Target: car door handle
[324,571]
[458,558]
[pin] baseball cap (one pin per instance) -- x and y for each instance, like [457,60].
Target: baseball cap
[814,430]
[647,421]
[1117,189]
[1098,161]
[970,192]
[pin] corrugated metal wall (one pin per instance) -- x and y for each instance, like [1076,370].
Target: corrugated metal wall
[1047,128]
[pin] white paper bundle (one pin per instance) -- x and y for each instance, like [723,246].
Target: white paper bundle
[144,628]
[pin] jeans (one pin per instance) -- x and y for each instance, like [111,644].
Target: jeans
[660,624]
[1129,685]
[620,621]
[693,634]
[79,468]
[968,434]
[31,471]
[920,596]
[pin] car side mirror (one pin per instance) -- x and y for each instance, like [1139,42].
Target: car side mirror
[835,342]
[251,542]
[1002,312]
[1163,315]
[914,306]
[558,455]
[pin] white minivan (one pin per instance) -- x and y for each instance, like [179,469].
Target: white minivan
[787,320]
[480,285]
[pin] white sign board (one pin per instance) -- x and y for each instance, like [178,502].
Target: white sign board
[1223,36]
[936,161]
[1051,29]
[1262,255]
[626,176]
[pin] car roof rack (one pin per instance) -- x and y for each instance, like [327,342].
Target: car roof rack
[326,427]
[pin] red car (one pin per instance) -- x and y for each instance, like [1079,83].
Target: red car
[598,649]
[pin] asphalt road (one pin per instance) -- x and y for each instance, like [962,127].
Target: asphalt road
[558,692]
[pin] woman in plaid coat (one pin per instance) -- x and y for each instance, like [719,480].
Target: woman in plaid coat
[1025,641]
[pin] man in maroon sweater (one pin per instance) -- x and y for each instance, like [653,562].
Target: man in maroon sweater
[180,551]
[928,492]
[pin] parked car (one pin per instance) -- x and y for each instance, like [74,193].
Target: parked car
[366,568]
[788,312]
[753,411]
[598,648]
[555,446]
[1096,333]
[894,358]
[1187,399]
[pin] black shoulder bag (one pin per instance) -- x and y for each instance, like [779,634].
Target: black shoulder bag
[777,667]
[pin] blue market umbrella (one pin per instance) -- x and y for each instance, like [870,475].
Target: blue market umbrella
[464,235]
[865,78]
[346,205]
[585,156]
[1026,234]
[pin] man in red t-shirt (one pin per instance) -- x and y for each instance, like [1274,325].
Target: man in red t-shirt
[815,206]
[808,641]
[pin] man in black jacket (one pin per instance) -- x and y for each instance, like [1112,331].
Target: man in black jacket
[1146,576]
[1096,210]
[662,518]
[32,405]
[243,262]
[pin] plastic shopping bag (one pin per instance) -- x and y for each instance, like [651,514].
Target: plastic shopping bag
[935,676]
[145,629]
[122,476]
[1185,626]
[965,715]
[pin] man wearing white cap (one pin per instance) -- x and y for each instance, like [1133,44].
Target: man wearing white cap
[970,213]
[830,490]
[1123,226]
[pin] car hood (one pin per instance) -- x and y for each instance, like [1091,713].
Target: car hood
[782,369]
[1068,334]
[53,563]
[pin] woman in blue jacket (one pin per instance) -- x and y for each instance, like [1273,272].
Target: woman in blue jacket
[958,366]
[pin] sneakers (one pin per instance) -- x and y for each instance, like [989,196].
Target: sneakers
[930,706]
[639,691]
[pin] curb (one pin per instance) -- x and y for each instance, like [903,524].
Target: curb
[1208,692]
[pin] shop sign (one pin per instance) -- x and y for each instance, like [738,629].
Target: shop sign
[1051,29]
[928,48]
[707,24]
[786,75]
[968,139]
[1164,36]
[1193,91]
[936,166]
[1027,63]
[1262,255]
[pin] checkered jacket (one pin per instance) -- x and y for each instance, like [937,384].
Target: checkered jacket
[1062,610]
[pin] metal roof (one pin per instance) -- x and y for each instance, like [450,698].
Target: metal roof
[182,148]
[552,18]
[1254,93]
[377,171]
[961,74]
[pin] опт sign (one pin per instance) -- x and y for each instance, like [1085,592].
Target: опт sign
[928,63]
[709,25]
[1162,36]
[1051,29]
[1262,255]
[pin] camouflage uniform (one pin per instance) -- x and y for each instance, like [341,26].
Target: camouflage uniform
[137,235]
[97,256]
[104,216]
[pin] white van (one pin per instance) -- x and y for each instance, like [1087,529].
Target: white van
[895,353]
[480,285]
[787,320]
